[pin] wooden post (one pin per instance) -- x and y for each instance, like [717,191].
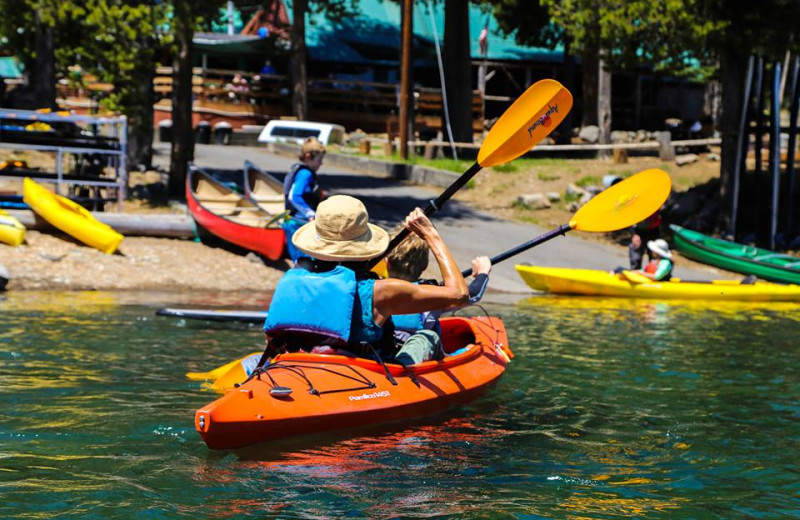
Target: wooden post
[775,151]
[742,143]
[620,155]
[405,82]
[364,147]
[388,148]
[604,103]
[666,151]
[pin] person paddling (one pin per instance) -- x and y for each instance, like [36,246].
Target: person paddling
[407,262]
[338,302]
[659,268]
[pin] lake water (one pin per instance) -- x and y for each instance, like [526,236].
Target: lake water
[611,409]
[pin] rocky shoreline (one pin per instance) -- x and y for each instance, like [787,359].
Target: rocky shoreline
[56,262]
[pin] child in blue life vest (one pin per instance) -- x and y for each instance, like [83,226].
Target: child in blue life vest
[407,262]
[301,191]
[336,301]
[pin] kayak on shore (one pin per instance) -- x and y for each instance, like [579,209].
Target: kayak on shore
[739,258]
[232,217]
[590,282]
[302,393]
[12,232]
[70,217]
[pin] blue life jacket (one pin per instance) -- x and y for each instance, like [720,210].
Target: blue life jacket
[312,198]
[323,308]
[407,324]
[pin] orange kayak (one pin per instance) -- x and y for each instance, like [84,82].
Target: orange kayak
[303,393]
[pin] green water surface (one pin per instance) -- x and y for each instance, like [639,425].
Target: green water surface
[611,409]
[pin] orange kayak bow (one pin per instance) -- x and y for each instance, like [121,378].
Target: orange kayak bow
[303,393]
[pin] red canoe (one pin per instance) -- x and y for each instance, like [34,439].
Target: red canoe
[303,393]
[233,218]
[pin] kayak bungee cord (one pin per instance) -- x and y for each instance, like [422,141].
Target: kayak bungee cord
[298,370]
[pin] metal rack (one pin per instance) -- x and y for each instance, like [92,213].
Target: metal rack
[115,128]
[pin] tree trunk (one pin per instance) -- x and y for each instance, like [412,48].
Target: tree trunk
[564,134]
[44,75]
[458,68]
[604,103]
[591,61]
[140,119]
[733,69]
[298,58]
[182,138]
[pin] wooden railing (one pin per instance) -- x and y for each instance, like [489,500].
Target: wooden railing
[369,106]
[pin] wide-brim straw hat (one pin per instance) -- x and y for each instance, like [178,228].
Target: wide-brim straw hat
[659,246]
[341,232]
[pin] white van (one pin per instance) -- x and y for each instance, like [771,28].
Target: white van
[298,131]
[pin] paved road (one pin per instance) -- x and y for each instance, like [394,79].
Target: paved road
[468,232]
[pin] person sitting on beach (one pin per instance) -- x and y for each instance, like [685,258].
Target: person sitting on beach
[407,262]
[659,268]
[338,302]
[301,191]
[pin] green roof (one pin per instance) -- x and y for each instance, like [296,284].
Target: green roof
[9,68]
[373,36]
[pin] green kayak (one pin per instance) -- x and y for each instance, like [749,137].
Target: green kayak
[731,256]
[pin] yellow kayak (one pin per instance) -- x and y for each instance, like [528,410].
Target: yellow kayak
[591,282]
[12,232]
[71,218]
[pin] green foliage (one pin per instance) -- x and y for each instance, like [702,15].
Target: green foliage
[571,197]
[18,28]
[587,180]
[506,168]
[544,176]
[122,47]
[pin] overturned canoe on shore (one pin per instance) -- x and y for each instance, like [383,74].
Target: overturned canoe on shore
[590,282]
[302,393]
[70,217]
[232,217]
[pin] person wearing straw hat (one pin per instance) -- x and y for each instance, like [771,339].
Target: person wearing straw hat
[659,268]
[301,191]
[337,302]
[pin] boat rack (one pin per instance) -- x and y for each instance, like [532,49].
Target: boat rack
[103,139]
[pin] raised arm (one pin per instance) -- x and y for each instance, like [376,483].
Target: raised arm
[393,296]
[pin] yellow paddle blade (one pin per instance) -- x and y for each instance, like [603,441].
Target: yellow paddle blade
[536,113]
[237,373]
[625,203]
[381,269]
[212,374]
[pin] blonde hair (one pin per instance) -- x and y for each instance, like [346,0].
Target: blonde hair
[311,147]
[409,259]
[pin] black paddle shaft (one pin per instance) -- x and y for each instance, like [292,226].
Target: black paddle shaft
[562,230]
[433,207]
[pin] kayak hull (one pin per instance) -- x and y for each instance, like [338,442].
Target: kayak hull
[12,232]
[332,392]
[591,282]
[71,218]
[265,236]
[739,258]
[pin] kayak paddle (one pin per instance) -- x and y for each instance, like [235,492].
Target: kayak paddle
[536,113]
[622,205]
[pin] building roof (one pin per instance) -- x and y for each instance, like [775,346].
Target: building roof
[222,43]
[9,67]
[373,36]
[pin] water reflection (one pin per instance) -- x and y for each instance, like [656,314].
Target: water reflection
[610,409]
